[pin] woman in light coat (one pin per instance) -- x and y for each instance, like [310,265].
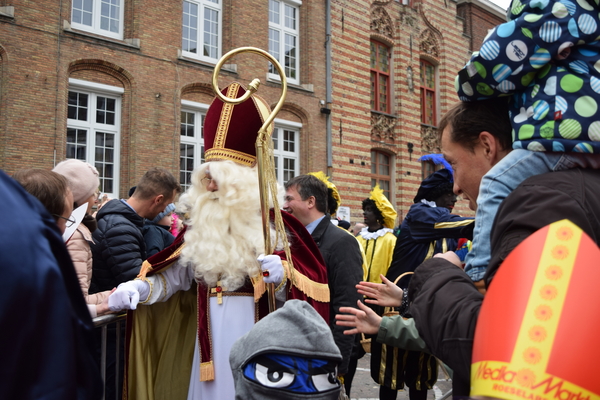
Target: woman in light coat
[84,182]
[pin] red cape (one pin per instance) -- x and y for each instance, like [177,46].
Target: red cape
[143,376]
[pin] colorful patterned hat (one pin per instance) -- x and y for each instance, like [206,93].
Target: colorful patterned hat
[334,192]
[230,131]
[384,205]
[537,331]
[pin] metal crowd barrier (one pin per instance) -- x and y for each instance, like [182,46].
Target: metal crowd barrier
[102,323]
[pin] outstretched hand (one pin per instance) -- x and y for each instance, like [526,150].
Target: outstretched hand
[102,308]
[361,319]
[385,294]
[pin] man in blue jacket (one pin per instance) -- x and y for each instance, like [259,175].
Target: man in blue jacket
[119,248]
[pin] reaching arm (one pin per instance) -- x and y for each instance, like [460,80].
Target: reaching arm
[361,320]
[385,294]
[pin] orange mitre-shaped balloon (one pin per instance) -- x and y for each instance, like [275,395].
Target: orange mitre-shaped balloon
[537,332]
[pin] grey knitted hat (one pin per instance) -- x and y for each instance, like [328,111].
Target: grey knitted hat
[297,331]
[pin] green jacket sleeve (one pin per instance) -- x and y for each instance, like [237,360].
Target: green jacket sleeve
[402,333]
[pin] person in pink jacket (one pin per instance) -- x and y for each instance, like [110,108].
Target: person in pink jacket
[84,182]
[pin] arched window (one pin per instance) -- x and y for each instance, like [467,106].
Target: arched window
[428,93]
[286,149]
[380,77]
[191,144]
[94,129]
[381,171]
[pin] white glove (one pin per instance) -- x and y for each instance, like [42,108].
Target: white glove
[128,294]
[273,267]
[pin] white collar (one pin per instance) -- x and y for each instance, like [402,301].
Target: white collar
[429,203]
[374,235]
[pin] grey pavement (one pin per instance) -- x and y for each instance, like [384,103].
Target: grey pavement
[364,388]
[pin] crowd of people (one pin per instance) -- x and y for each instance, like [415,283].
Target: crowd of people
[228,298]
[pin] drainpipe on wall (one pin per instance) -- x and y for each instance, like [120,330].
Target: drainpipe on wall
[328,99]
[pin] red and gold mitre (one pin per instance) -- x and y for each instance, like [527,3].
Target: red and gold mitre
[537,331]
[230,131]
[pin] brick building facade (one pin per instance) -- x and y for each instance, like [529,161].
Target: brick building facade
[125,85]
[394,68]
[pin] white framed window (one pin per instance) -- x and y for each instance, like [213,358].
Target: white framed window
[201,29]
[94,129]
[286,149]
[191,145]
[284,35]
[103,17]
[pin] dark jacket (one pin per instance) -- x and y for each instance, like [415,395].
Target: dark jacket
[157,237]
[425,231]
[445,303]
[47,341]
[343,259]
[119,248]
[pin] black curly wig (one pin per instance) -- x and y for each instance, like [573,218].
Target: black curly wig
[371,203]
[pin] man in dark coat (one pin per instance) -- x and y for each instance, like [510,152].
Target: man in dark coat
[119,247]
[484,140]
[46,340]
[444,302]
[306,199]
[429,227]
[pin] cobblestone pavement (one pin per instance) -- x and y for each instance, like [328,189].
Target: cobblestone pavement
[364,388]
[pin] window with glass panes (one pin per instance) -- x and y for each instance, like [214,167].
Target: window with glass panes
[283,39]
[103,17]
[191,145]
[428,93]
[380,77]
[381,171]
[201,29]
[286,153]
[428,168]
[93,130]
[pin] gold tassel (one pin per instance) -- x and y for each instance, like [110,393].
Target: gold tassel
[314,290]
[207,371]
[147,267]
[259,287]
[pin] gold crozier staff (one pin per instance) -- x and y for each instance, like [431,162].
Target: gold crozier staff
[264,157]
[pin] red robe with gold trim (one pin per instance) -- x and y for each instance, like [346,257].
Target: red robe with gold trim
[161,336]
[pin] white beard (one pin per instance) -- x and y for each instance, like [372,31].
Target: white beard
[224,235]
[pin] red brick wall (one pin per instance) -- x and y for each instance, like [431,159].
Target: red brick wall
[478,21]
[351,24]
[38,57]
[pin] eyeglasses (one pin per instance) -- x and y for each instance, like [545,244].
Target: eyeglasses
[206,181]
[70,221]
